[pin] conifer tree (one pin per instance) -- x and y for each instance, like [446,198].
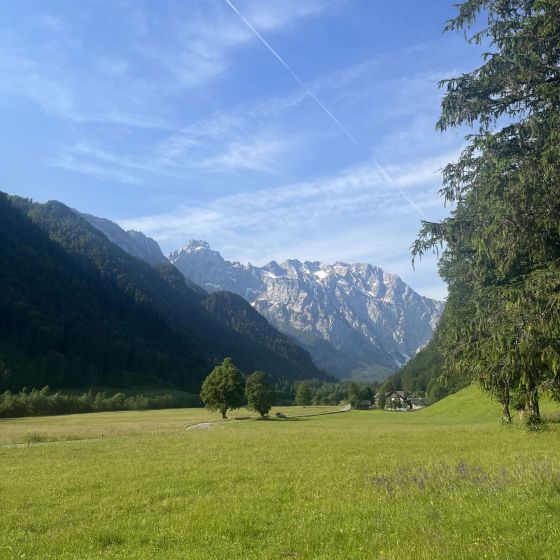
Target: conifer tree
[501,243]
[303,394]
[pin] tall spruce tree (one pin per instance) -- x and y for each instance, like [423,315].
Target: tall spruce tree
[501,243]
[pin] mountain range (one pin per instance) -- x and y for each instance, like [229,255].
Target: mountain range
[171,319]
[356,320]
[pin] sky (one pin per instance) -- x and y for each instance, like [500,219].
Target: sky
[272,129]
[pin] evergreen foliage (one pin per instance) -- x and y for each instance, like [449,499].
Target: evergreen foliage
[304,395]
[366,393]
[259,393]
[354,397]
[382,400]
[501,243]
[77,311]
[240,316]
[426,374]
[223,389]
[324,393]
[42,402]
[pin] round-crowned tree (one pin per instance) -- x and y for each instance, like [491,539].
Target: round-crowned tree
[223,389]
[259,394]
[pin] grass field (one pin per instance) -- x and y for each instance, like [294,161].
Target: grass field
[448,482]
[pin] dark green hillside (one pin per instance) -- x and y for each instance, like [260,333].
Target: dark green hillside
[427,374]
[239,315]
[68,319]
[77,310]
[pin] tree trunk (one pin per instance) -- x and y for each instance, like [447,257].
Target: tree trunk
[224,412]
[533,407]
[504,400]
[533,413]
[506,415]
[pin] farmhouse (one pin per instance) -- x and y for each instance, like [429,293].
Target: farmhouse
[400,400]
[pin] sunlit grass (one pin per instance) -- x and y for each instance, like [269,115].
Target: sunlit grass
[429,485]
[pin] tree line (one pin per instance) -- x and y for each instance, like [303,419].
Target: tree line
[44,402]
[226,388]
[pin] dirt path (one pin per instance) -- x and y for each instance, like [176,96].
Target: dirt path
[200,426]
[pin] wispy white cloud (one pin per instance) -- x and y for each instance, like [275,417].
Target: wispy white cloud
[181,51]
[258,155]
[113,66]
[360,192]
[269,16]
[92,160]
[101,171]
[64,98]
[177,147]
[200,46]
[350,216]
[255,137]
[181,156]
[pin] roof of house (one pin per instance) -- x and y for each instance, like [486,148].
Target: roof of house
[401,394]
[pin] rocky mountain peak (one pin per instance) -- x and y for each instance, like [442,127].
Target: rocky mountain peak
[198,245]
[194,246]
[353,318]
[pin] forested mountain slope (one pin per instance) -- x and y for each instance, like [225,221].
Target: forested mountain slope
[135,243]
[427,373]
[76,310]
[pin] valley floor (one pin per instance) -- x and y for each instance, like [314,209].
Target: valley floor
[443,483]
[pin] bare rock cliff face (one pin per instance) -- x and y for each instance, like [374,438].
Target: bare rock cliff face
[353,318]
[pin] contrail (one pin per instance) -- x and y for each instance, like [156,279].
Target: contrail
[294,75]
[390,180]
[322,105]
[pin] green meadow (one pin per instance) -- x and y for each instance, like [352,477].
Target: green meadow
[442,483]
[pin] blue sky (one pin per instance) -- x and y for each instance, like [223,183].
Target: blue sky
[173,118]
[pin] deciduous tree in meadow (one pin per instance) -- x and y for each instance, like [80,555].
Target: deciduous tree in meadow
[224,388]
[259,394]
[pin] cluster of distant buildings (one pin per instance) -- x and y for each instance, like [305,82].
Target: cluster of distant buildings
[394,400]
